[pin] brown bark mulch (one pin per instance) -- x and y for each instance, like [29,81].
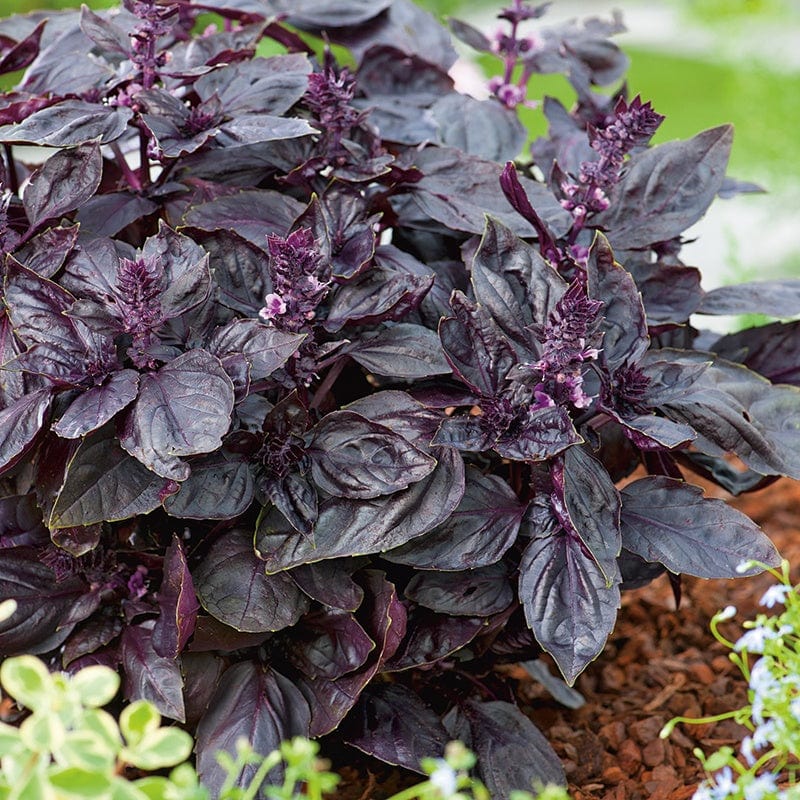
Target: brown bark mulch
[659,662]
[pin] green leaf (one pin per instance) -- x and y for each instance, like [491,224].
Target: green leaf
[27,680]
[9,738]
[96,685]
[137,720]
[104,727]
[78,783]
[122,789]
[87,750]
[161,748]
[43,732]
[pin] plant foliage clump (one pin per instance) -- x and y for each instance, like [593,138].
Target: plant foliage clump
[315,406]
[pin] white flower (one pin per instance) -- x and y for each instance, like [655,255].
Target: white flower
[724,784]
[763,734]
[746,566]
[444,778]
[761,787]
[703,792]
[729,612]
[775,594]
[747,749]
[753,640]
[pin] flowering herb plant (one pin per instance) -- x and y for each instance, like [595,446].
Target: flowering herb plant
[314,404]
[768,656]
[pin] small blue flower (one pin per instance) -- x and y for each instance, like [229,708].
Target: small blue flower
[775,594]
[444,779]
[724,784]
[763,786]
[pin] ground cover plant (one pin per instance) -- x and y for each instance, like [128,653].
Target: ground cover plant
[315,404]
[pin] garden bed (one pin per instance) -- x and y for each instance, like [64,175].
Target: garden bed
[659,663]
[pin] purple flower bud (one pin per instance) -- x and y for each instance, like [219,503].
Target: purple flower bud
[274,306]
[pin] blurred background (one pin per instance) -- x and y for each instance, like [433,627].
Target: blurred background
[702,63]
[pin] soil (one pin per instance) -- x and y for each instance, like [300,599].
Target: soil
[660,662]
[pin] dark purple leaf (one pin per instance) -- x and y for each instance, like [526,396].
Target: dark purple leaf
[212,635]
[731,187]
[779,298]
[256,128]
[185,264]
[399,412]
[666,432]
[483,128]
[430,637]
[253,703]
[98,631]
[177,604]
[192,56]
[379,295]
[403,350]
[70,123]
[383,618]
[670,521]
[16,106]
[265,348]
[295,497]
[201,677]
[623,325]
[92,409]
[519,198]
[403,25]
[107,214]
[262,85]
[36,307]
[329,644]
[109,37]
[771,350]
[567,143]
[513,283]
[19,424]
[104,483]
[544,433]
[233,587]
[330,582]
[12,382]
[458,190]
[79,540]
[355,527]
[480,530]
[241,271]
[512,753]
[330,13]
[392,723]
[43,603]
[149,676]
[477,592]
[21,522]
[666,189]
[670,293]
[734,410]
[252,214]
[343,233]
[470,35]
[220,486]
[568,603]
[475,348]
[593,505]
[356,458]
[184,409]
[46,252]
[23,52]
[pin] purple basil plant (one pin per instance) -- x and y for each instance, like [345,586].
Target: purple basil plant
[315,404]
